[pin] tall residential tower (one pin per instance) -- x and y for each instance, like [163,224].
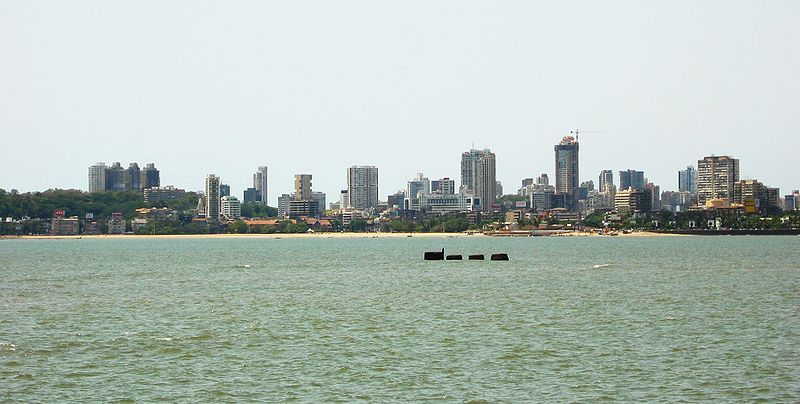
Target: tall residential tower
[478,176]
[567,179]
[362,187]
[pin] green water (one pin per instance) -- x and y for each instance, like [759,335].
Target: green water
[669,319]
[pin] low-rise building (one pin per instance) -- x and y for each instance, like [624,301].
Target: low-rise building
[116,225]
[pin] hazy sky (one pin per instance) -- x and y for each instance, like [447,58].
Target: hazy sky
[203,87]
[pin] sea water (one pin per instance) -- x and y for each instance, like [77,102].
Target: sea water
[350,319]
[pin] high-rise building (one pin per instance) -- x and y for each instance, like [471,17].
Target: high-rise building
[716,176]
[97,177]
[362,186]
[302,187]
[230,207]
[606,182]
[251,196]
[567,170]
[283,204]
[212,197]
[150,177]
[344,199]
[687,180]
[115,177]
[224,190]
[498,190]
[415,186]
[260,184]
[320,199]
[478,176]
[631,179]
[543,180]
[444,186]
[158,194]
[133,177]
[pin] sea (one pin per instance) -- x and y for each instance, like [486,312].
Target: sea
[318,319]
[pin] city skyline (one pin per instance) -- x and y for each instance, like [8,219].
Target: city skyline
[406,89]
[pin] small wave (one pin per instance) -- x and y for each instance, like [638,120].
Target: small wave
[241,266]
[165,339]
[598,266]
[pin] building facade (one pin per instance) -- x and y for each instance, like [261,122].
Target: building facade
[478,176]
[230,207]
[687,180]
[260,184]
[631,179]
[716,176]
[362,187]
[158,194]
[212,197]
[567,170]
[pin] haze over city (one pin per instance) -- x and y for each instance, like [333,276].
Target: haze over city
[315,87]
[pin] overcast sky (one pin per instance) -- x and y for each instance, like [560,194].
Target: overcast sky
[201,87]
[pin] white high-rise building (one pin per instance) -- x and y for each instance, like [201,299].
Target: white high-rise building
[97,177]
[212,197]
[260,184]
[716,176]
[362,187]
[478,176]
[231,207]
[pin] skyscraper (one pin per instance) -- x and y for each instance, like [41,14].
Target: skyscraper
[362,186]
[567,170]
[444,186]
[133,177]
[151,177]
[302,187]
[478,176]
[115,177]
[260,184]
[606,182]
[716,176]
[212,197]
[631,179]
[97,177]
[687,180]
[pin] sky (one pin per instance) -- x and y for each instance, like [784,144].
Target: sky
[201,87]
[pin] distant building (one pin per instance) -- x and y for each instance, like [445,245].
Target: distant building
[212,197]
[416,186]
[631,179]
[755,196]
[498,188]
[302,187]
[168,193]
[716,176]
[260,184]
[567,170]
[97,177]
[677,201]
[224,190]
[441,203]
[63,226]
[687,180]
[631,201]
[541,200]
[444,186]
[150,177]
[654,194]
[116,178]
[251,195]
[304,207]
[605,182]
[116,225]
[396,200]
[344,199]
[319,199]
[478,176]
[230,207]
[283,204]
[362,187]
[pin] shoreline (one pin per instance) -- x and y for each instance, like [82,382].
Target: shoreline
[318,235]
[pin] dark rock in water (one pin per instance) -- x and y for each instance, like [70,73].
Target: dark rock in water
[434,255]
[479,257]
[454,257]
[500,257]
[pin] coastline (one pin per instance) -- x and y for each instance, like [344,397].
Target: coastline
[317,235]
